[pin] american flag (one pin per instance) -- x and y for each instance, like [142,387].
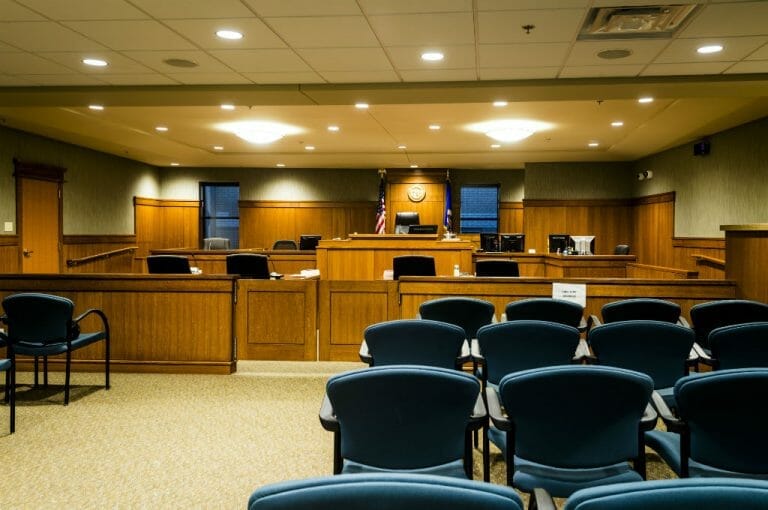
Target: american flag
[381,210]
[448,217]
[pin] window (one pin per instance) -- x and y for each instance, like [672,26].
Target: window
[219,211]
[479,208]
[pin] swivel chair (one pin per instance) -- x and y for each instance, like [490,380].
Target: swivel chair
[413,265]
[168,264]
[248,265]
[492,267]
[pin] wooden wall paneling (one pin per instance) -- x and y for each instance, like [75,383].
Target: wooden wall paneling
[540,219]
[685,250]
[276,319]
[430,210]
[510,217]
[346,309]
[9,254]
[166,224]
[654,228]
[746,247]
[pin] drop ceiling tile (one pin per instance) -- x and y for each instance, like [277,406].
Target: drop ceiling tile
[44,36]
[202,32]
[409,57]
[601,71]
[346,59]
[729,19]
[254,61]
[424,29]
[734,48]
[6,47]
[138,79]
[759,54]
[523,55]
[155,60]
[209,78]
[118,63]
[359,76]
[269,8]
[14,81]
[325,31]
[11,11]
[277,78]
[688,68]
[749,67]
[131,35]
[25,63]
[414,6]
[85,9]
[518,73]
[506,5]
[416,75]
[584,53]
[60,80]
[186,9]
[559,25]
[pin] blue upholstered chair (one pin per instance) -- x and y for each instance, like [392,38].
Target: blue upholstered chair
[739,346]
[413,265]
[684,494]
[468,313]
[43,325]
[384,490]
[248,265]
[414,342]
[659,349]
[6,365]
[572,427]
[403,418]
[546,309]
[168,264]
[720,425]
[640,309]
[706,317]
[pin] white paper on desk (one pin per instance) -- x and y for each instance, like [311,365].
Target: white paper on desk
[310,273]
[575,292]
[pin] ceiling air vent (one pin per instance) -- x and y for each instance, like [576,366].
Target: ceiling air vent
[651,21]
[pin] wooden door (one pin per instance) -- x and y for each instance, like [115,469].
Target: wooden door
[38,199]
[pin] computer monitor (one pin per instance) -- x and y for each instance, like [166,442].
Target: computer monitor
[405,219]
[558,243]
[422,229]
[489,242]
[309,241]
[512,242]
[583,245]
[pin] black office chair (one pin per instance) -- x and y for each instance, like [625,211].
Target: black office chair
[621,249]
[285,244]
[413,265]
[495,267]
[248,265]
[168,264]
[215,243]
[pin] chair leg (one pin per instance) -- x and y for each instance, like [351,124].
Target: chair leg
[45,371]
[640,465]
[486,454]
[510,458]
[468,464]
[337,462]
[37,381]
[66,378]
[106,364]
[11,391]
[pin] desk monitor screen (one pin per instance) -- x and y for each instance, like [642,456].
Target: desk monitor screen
[309,241]
[489,242]
[558,243]
[422,229]
[405,219]
[583,245]
[512,242]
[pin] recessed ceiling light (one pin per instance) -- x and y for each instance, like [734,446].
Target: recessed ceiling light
[709,48]
[259,132]
[227,106]
[432,56]
[162,129]
[231,35]
[280,165]
[309,147]
[434,127]
[617,123]
[95,62]
[174,164]
[499,104]
[361,106]
[508,130]
[218,148]
[333,128]
[96,107]
[402,147]
[495,146]
[414,165]
[593,144]
[180,62]
[645,100]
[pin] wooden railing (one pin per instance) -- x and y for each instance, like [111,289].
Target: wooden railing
[665,273]
[709,261]
[101,256]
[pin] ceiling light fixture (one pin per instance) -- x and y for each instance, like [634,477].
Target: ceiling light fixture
[259,132]
[309,147]
[414,165]
[434,127]
[333,129]
[361,106]
[280,165]
[495,146]
[95,62]
[617,123]
[645,100]
[227,106]
[174,164]
[402,147]
[96,107]
[218,148]
[593,144]
[432,56]
[161,129]
[230,35]
[500,104]
[508,130]
[710,48]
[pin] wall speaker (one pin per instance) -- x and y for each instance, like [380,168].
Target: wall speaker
[701,148]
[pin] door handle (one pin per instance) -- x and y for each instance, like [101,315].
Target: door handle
[27,253]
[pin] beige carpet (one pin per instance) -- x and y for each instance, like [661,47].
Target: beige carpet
[168,441]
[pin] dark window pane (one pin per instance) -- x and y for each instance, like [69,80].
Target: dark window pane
[479,209]
[220,212]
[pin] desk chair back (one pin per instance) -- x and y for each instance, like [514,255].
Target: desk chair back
[470,314]
[248,265]
[706,317]
[413,265]
[546,309]
[168,264]
[414,342]
[740,346]
[641,309]
[493,267]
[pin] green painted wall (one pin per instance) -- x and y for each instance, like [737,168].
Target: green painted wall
[565,181]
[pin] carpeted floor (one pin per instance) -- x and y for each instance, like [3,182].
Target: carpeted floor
[168,441]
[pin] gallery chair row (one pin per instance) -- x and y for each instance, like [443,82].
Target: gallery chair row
[423,492]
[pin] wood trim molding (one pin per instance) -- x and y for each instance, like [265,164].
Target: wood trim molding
[253,204]
[605,202]
[156,202]
[99,239]
[654,199]
[511,205]
[12,240]
[698,242]
[40,171]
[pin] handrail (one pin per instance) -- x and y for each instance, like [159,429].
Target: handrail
[100,256]
[709,261]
